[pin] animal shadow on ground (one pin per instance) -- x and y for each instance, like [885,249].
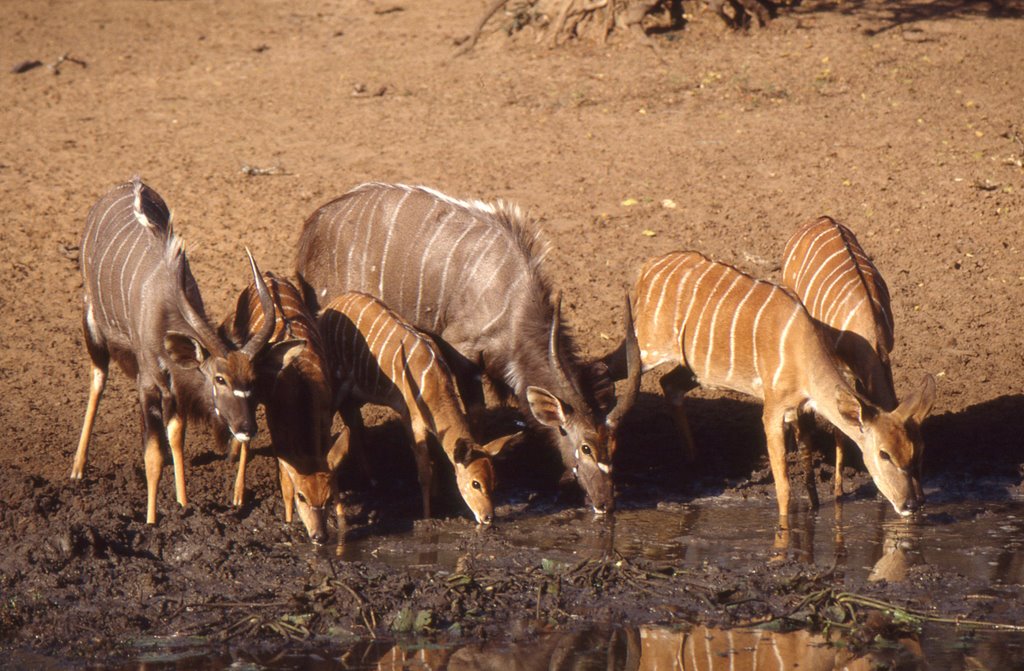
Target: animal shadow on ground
[984,440]
[650,465]
[905,13]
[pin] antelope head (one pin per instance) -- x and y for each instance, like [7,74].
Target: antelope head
[891,443]
[227,377]
[474,474]
[313,495]
[586,442]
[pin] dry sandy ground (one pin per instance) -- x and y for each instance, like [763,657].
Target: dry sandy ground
[902,119]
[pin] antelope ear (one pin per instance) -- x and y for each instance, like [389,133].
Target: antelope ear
[498,444]
[917,406]
[463,453]
[280,354]
[184,350]
[339,449]
[546,407]
[849,406]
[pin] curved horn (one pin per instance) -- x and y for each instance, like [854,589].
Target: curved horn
[257,342]
[207,337]
[555,356]
[634,368]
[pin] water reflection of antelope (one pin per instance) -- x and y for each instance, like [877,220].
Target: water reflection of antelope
[653,648]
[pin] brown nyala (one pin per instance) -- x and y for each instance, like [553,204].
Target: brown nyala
[470,274]
[722,328]
[293,382]
[380,358]
[829,271]
[143,308]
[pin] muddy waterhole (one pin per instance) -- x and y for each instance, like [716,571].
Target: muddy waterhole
[860,542]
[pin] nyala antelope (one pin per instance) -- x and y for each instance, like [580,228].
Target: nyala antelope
[293,382]
[143,308]
[722,328]
[828,270]
[380,358]
[470,273]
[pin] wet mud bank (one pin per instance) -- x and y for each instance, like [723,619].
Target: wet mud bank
[83,579]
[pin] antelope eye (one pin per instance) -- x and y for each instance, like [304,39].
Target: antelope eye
[300,497]
[219,379]
[885,456]
[477,485]
[586,450]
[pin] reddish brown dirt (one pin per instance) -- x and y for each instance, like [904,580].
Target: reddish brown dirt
[897,118]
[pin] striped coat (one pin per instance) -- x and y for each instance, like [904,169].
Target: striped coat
[470,274]
[142,307]
[831,274]
[380,358]
[729,330]
[294,384]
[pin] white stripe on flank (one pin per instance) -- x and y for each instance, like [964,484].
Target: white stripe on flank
[438,225]
[782,344]
[127,295]
[378,351]
[732,329]
[842,297]
[500,314]
[811,253]
[365,226]
[335,226]
[821,297]
[821,266]
[96,228]
[99,269]
[470,274]
[387,242]
[425,222]
[850,315]
[665,282]
[700,318]
[681,325]
[714,323]
[448,261]
[757,322]
[652,278]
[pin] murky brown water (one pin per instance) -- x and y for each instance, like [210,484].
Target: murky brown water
[863,539]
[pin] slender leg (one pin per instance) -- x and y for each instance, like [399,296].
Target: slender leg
[775,433]
[242,449]
[287,492]
[837,477]
[152,431]
[802,428]
[919,473]
[176,426]
[335,456]
[424,467]
[676,383]
[97,383]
